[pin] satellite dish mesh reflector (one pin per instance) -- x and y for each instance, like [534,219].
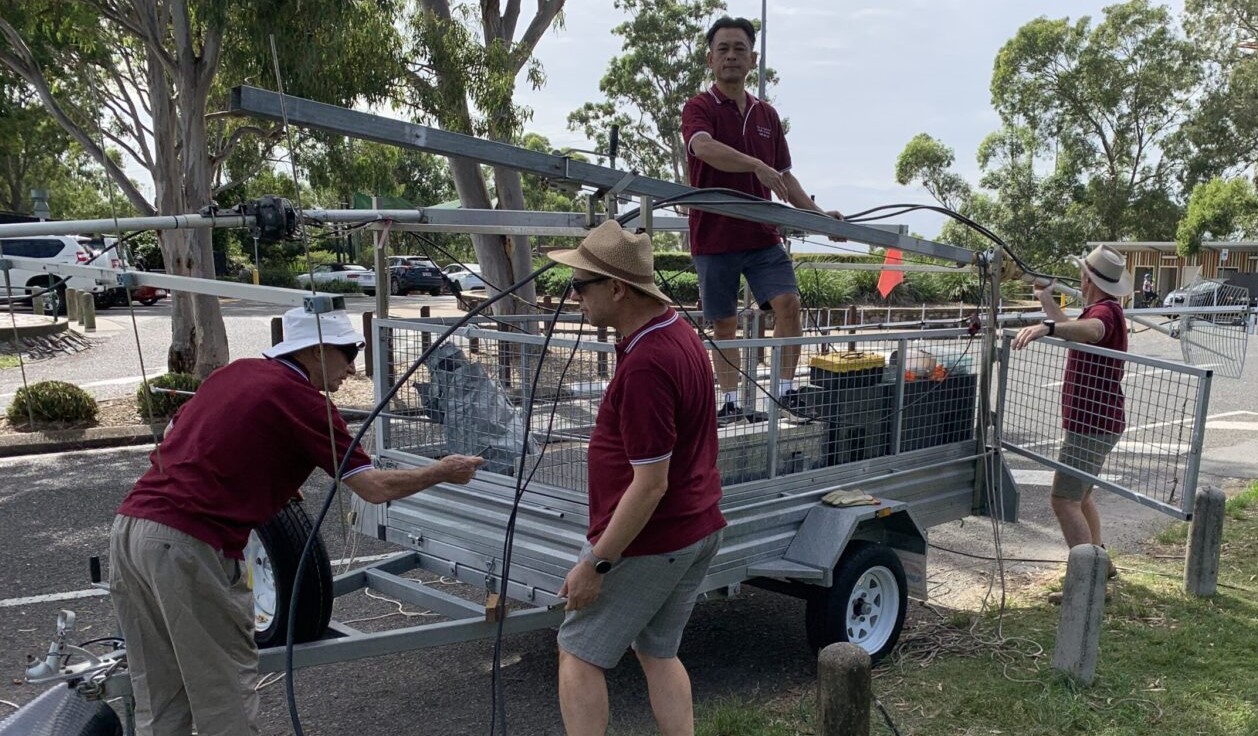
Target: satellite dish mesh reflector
[1217,340]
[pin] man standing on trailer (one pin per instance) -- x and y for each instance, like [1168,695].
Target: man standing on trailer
[233,456]
[1092,412]
[736,141]
[654,490]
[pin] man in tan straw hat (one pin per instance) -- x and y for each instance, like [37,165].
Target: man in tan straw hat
[1092,413]
[233,457]
[654,491]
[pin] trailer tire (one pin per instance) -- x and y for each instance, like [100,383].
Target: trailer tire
[62,711]
[865,606]
[272,557]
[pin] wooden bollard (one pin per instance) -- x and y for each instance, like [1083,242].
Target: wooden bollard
[844,690]
[369,346]
[87,311]
[1205,539]
[71,297]
[1082,609]
[603,369]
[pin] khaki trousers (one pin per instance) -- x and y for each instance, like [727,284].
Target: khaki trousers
[186,613]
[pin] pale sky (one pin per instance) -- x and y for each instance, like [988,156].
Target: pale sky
[857,79]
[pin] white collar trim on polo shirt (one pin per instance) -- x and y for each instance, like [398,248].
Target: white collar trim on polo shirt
[650,329]
[292,366]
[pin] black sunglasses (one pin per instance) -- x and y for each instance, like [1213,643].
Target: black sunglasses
[349,351]
[578,285]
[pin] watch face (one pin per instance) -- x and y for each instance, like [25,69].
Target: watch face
[602,567]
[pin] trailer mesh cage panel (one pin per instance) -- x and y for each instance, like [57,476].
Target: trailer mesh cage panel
[1131,424]
[855,398]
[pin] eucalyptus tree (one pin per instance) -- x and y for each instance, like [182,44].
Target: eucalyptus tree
[1110,95]
[147,76]
[462,62]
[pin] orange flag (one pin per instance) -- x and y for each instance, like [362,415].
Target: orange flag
[888,280]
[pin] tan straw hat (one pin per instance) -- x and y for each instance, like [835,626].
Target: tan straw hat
[610,250]
[1107,268]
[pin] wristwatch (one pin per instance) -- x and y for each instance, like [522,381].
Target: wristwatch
[1051,325]
[601,566]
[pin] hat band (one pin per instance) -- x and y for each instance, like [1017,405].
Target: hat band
[611,270]
[1098,274]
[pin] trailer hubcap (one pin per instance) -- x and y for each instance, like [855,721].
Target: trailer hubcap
[261,581]
[872,609]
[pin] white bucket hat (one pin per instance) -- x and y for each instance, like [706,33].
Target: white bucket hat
[1107,269]
[301,331]
[610,250]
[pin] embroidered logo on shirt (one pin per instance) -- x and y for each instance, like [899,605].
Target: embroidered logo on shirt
[764,131]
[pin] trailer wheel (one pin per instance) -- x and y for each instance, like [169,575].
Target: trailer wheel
[271,559]
[866,604]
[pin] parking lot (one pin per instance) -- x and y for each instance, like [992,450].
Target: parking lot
[55,512]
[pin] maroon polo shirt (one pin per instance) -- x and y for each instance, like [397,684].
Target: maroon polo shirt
[757,133]
[1092,399]
[238,451]
[659,405]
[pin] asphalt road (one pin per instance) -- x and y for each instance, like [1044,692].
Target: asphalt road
[55,511]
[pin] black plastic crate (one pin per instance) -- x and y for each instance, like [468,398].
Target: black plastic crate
[938,412]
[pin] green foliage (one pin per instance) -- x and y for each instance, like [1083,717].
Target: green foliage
[281,276]
[661,67]
[1218,209]
[927,161]
[670,260]
[554,281]
[340,287]
[160,405]
[1108,97]
[52,401]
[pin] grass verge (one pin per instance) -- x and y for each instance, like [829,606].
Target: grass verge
[1170,664]
[8,361]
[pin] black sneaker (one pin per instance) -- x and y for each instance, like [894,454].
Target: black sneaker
[795,407]
[731,412]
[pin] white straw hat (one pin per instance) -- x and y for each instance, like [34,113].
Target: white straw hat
[1107,268]
[301,331]
[610,250]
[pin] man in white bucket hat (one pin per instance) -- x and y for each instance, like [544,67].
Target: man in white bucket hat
[232,458]
[654,516]
[1092,412]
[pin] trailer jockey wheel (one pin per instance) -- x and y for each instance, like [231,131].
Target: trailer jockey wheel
[866,604]
[271,559]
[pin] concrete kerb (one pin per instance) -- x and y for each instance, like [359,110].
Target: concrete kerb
[66,440]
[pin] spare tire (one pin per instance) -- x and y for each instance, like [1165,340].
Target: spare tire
[62,711]
[271,560]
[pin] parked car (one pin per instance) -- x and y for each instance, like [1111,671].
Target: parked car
[414,273]
[1206,293]
[55,248]
[466,275]
[349,273]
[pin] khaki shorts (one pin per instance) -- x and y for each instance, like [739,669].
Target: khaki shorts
[1083,452]
[644,602]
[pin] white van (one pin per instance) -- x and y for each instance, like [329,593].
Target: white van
[55,248]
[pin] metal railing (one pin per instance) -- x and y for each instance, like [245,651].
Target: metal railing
[857,397]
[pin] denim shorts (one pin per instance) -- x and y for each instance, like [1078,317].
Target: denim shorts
[644,602]
[769,272]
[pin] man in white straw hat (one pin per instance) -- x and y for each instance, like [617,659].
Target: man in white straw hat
[654,491]
[1092,412]
[232,458]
